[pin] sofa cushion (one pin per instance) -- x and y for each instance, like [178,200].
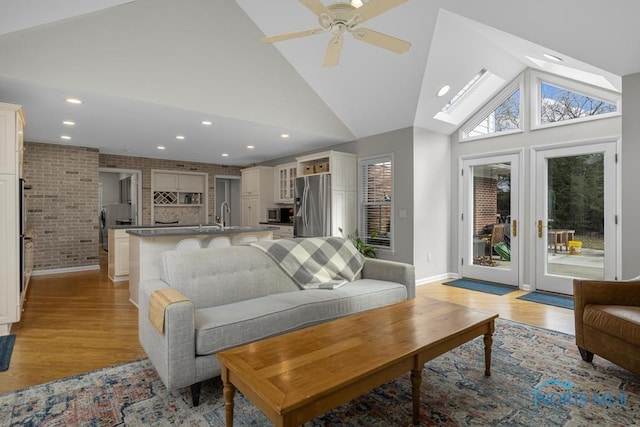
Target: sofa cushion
[218,276]
[620,321]
[218,328]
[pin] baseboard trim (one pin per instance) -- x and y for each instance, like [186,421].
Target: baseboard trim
[438,278]
[65,270]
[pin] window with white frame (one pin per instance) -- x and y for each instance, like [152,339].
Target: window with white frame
[558,101]
[376,201]
[503,114]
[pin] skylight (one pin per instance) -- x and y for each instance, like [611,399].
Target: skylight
[464,90]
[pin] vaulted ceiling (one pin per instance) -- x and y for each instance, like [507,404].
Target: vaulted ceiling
[150,70]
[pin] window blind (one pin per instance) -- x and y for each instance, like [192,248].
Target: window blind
[376,201]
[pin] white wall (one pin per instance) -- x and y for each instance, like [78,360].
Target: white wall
[630,218]
[431,204]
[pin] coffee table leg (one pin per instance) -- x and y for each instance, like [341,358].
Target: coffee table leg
[229,392]
[488,342]
[416,382]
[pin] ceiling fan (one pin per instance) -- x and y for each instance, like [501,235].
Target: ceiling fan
[345,17]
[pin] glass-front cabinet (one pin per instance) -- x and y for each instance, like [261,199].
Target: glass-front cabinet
[285,180]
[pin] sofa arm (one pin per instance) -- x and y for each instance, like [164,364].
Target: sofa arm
[391,271]
[601,292]
[172,352]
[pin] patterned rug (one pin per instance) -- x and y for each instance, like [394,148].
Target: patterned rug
[538,379]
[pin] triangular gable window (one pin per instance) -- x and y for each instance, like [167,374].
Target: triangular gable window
[560,104]
[502,114]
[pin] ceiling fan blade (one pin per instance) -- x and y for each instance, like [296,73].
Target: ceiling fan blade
[317,7]
[384,41]
[288,36]
[332,55]
[376,7]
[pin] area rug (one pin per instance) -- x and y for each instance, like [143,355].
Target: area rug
[486,287]
[537,378]
[6,349]
[548,299]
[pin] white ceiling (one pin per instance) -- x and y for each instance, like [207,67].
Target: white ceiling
[148,70]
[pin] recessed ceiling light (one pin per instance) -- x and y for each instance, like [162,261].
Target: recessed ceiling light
[74,101]
[69,123]
[284,136]
[251,147]
[180,137]
[443,90]
[225,155]
[65,137]
[206,123]
[552,57]
[160,147]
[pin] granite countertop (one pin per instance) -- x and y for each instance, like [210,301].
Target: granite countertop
[193,230]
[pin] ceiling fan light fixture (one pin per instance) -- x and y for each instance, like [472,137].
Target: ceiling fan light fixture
[443,90]
[357,3]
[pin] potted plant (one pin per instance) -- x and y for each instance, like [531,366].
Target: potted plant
[365,249]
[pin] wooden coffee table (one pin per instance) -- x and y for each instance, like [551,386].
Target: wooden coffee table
[300,375]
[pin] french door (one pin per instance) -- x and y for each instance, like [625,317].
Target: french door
[575,215]
[489,221]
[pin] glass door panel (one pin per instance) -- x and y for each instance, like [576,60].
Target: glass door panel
[490,219]
[575,211]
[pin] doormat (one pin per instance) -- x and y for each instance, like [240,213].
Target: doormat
[6,348]
[486,287]
[548,299]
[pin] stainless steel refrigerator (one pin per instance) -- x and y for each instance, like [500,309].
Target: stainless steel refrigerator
[312,216]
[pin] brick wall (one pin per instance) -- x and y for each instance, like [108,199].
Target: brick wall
[62,206]
[145,164]
[485,192]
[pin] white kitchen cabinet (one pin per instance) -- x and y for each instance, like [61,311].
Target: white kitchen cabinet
[118,257]
[257,194]
[11,292]
[250,211]
[283,232]
[284,182]
[343,169]
[173,189]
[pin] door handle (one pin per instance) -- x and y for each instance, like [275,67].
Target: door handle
[514,228]
[540,226]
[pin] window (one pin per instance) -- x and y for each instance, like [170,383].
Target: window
[501,115]
[557,101]
[505,117]
[559,104]
[376,201]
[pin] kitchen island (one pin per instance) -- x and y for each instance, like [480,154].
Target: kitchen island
[146,244]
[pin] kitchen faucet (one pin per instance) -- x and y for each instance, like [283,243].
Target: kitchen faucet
[224,207]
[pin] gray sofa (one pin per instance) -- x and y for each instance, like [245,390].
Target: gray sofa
[239,294]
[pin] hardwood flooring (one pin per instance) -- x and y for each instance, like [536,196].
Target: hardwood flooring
[79,322]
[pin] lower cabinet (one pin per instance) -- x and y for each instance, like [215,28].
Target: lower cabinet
[284,232]
[118,256]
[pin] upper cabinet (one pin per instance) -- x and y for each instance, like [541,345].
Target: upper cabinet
[173,189]
[11,124]
[284,182]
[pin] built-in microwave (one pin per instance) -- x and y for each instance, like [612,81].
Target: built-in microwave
[273,214]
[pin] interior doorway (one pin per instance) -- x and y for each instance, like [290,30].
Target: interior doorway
[228,189]
[119,200]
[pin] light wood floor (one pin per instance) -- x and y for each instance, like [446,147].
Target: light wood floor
[79,322]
